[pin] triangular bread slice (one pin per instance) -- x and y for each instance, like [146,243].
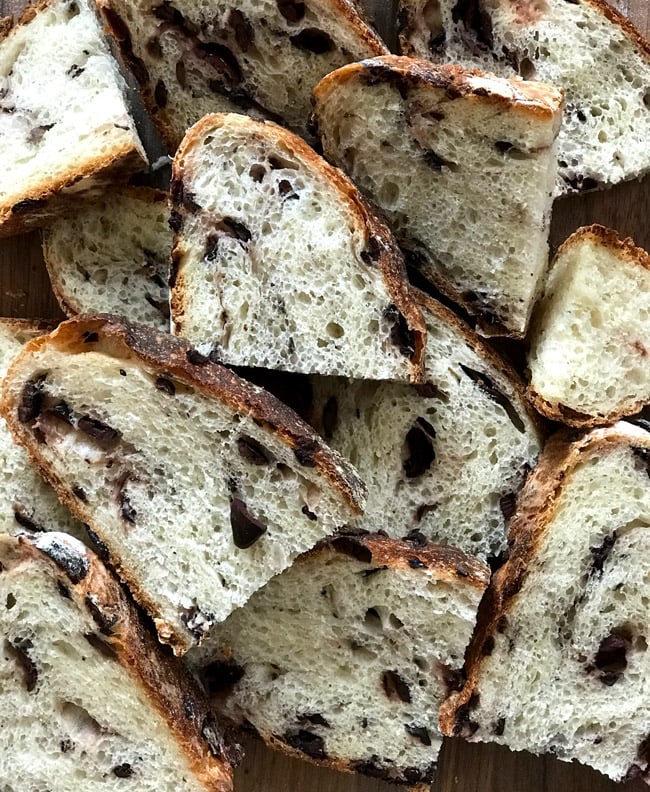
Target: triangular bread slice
[262,58]
[279,262]
[586,47]
[590,340]
[345,658]
[64,123]
[113,255]
[26,500]
[88,696]
[463,165]
[199,486]
[560,663]
[445,458]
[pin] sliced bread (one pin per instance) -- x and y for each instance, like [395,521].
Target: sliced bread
[113,256]
[560,663]
[261,57]
[89,699]
[199,485]
[463,165]
[586,47]
[64,123]
[446,458]
[345,658]
[26,501]
[590,341]
[280,263]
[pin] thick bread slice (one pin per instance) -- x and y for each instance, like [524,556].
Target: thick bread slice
[279,262]
[590,340]
[200,485]
[345,658]
[462,163]
[586,47]
[261,57]
[559,662]
[112,256]
[445,458]
[87,696]
[26,501]
[64,124]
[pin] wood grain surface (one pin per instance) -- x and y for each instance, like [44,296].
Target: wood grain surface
[463,767]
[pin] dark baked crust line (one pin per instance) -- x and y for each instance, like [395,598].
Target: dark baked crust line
[391,261]
[166,683]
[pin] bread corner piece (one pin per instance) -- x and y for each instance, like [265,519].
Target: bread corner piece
[586,47]
[113,255]
[589,345]
[345,658]
[280,263]
[64,127]
[559,662]
[463,165]
[198,486]
[97,695]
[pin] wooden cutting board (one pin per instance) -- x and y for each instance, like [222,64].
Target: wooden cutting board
[463,767]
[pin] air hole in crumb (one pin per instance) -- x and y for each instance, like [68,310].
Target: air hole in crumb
[395,622]
[372,620]
[335,330]
[11,601]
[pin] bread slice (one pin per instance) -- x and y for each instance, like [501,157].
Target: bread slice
[113,256]
[64,124]
[279,262]
[200,486]
[345,658]
[26,501]
[559,662]
[261,57]
[587,48]
[446,458]
[87,693]
[463,165]
[590,341]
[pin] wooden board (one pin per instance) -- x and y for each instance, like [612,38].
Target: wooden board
[463,767]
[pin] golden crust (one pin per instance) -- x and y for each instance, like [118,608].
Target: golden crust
[627,251]
[146,194]
[56,196]
[391,261]
[166,683]
[169,355]
[536,507]
[535,99]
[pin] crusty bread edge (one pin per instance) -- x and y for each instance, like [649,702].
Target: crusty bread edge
[449,565]
[536,508]
[164,680]
[391,262]
[168,355]
[67,302]
[626,250]
[47,198]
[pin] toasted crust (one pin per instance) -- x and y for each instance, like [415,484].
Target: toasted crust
[532,98]
[169,355]
[626,250]
[536,507]
[448,563]
[66,302]
[391,261]
[167,684]
[116,27]
[47,200]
